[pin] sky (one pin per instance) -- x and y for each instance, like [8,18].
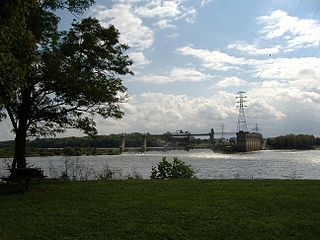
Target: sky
[191,57]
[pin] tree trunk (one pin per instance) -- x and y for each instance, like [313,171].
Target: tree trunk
[19,159]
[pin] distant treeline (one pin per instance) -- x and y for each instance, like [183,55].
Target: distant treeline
[101,141]
[291,141]
[73,146]
[104,141]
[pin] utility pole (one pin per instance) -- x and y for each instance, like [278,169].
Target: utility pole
[222,130]
[242,122]
[256,129]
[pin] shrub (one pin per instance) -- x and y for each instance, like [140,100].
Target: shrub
[134,176]
[106,174]
[175,170]
[74,169]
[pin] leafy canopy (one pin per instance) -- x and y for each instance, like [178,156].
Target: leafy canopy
[50,79]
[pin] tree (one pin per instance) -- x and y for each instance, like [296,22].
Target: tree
[291,141]
[51,80]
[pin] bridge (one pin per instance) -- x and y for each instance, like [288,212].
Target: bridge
[177,135]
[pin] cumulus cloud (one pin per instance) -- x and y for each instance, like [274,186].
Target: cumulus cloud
[295,32]
[212,59]
[270,68]
[270,107]
[284,93]
[233,82]
[167,11]
[285,68]
[128,16]
[262,110]
[158,112]
[159,9]
[163,24]
[277,108]
[139,59]
[176,75]
[253,49]
[133,31]
[284,107]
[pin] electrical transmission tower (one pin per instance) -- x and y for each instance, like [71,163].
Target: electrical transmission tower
[242,122]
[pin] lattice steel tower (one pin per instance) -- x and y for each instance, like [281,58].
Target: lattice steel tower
[242,122]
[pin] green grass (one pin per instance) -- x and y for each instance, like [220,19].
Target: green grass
[185,209]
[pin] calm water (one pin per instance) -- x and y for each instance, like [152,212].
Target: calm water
[207,164]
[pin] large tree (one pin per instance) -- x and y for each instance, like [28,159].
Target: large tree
[51,80]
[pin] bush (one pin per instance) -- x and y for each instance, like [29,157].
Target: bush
[175,170]
[134,176]
[106,174]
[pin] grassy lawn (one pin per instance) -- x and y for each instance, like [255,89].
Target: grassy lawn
[185,209]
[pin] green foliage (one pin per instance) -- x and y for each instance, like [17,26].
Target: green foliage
[6,152]
[175,170]
[51,80]
[291,141]
[70,151]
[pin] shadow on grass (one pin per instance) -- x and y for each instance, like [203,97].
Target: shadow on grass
[12,188]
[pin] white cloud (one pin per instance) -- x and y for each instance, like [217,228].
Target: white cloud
[233,82]
[213,59]
[253,49]
[164,23]
[6,130]
[167,10]
[172,35]
[189,14]
[139,60]
[159,9]
[285,96]
[270,107]
[158,113]
[277,107]
[205,2]
[262,110]
[293,108]
[285,68]
[176,75]
[270,68]
[295,32]
[129,1]
[131,27]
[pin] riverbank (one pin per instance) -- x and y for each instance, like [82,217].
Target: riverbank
[185,209]
[67,151]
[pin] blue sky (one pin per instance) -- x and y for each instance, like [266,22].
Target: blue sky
[193,56]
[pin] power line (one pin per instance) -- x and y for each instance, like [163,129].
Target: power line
[282,39]
[298,8]
[302,49]
[295,14]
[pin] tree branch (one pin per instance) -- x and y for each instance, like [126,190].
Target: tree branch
[13,121]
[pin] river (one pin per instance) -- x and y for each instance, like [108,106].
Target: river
[267,164]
